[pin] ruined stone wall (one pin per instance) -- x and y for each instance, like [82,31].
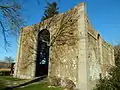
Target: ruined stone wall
[64,51]
[64,41]
[82,77]
[93,57]
[94,67]
[107,58]
[100,56]
[26,54]
[63,44]
[77,51]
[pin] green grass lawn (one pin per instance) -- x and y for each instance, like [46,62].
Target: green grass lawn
[9,81]
[9,78]
[38,86]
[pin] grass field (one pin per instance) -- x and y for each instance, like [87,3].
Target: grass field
[10,81]
[39,86]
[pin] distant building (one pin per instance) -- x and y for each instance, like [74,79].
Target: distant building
[7,68]
[4,64]
[64,46]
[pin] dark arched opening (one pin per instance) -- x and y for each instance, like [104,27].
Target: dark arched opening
[42,59]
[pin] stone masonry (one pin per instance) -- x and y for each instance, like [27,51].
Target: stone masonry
[76,50]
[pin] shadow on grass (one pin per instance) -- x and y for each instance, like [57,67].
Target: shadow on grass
[25,84]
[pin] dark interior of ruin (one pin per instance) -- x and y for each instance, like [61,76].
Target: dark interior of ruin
[42,59]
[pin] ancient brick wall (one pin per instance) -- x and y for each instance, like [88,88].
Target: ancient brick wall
[107,57]
[93,57]
[76,51]
[64,38]
[26,54]
[63,57]
[94,67]
[100,56]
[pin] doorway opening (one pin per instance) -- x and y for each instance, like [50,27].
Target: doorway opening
[42,59]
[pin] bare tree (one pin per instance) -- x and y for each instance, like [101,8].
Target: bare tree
[9,60]
[10,19]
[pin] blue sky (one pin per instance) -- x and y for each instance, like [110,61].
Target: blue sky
[104,16]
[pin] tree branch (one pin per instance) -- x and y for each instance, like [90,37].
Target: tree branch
[4,7]
[4,36]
